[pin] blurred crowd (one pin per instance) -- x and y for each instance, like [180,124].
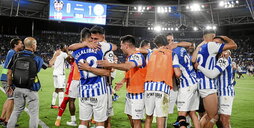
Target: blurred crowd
[47,43]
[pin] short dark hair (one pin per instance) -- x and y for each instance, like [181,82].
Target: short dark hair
[14,41]
[97,29]
[160,40]
[169,34]
[144,43]
[218,37]
[60,46]
[85,33]
[129,39]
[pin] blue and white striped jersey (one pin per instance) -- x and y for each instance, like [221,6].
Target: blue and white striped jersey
[157,86]
[207,59]
[91,84]
[181,59]
[225,79]
[138,59]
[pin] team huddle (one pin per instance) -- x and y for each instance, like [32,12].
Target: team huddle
[155,79]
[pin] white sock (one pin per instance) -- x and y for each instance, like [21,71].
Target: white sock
[82,126]
[59,117]
[100,127]
[73,118]
[54,98]
[60,97]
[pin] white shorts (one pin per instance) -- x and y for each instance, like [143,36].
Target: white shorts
[110,111]
[74,89]
[188,99]
[172,100]
[205,92]
[59,81]
[156,103]
[135,108]
[225,104]
[93,107]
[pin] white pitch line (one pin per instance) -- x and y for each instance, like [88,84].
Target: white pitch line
[41,123]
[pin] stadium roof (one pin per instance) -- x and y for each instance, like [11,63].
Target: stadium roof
[125,12]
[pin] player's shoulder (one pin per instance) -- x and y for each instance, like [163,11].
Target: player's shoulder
[11,52]
[137,56]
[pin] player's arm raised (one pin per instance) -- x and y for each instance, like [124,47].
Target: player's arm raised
[195,53]
[97,71]
[76,46]
[230,43]
[53,59]
[184,44]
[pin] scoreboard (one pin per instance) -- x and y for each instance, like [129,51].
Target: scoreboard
[75,11]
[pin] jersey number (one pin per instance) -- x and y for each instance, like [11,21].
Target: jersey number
[91,60]
[188,61]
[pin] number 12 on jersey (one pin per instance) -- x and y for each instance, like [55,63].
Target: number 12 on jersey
[91,60]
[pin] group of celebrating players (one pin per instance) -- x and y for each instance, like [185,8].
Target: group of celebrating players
[203,75]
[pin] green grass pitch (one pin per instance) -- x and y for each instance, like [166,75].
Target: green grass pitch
[242,116]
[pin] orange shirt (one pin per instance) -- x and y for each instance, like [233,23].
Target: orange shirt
[76,74]
[159,67]
[136,76]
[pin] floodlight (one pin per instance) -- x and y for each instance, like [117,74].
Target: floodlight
[157,28]
[208,27]
[195,28]
[139,8]
[222,3]
[195,7]
[214,27]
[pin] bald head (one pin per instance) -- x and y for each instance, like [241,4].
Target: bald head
[30,43]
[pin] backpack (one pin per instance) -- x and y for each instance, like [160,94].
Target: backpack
[25,71]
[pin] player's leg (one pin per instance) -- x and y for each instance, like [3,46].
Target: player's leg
[61,88]
[194,105]
[211,107]
[161,109]
[73,93]
[110,112]
[61,111]
[194,118]
[127,110]
[9,109]
[100,110]
[225,110]
[72,110]
[131,121]
[225,119]
[138,106]
[149,108]
[85,107]
[148,122]
[55,93]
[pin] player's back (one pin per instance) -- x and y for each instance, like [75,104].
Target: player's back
[207,58]
[91,84]
[59,65]
[188,76]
